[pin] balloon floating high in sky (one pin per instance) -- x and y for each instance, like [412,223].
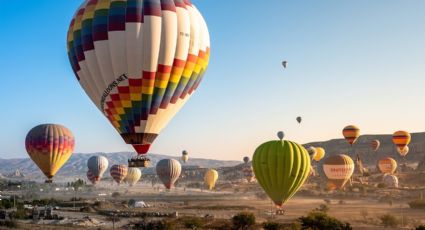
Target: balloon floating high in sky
[281,168]
[185,156]
[401,139]
[351,133]
[139,61]
[49,146]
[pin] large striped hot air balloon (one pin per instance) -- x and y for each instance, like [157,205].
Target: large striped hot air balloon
[118,172]
[49,146]
[338,169]
[403,151]
[351,133]
[92,178]
[320,153]
[401,139]
[387,165]
[168,171]
[139,61]
[375,145]
[97,165]
[210,178]
[133,176]
[281,168]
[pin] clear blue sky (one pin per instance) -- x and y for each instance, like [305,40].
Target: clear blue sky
[350,62]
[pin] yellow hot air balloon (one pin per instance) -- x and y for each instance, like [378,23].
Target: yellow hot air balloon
[387,165]
[281,168]
[351,133]
[401,139]
[185,156]
[133,176]
[210,178]
[338,169]
[403,151]
[320,153]
[50,146]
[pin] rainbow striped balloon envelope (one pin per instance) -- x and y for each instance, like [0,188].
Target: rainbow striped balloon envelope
[118,172]
[50,146]
[139,61]
[351,133]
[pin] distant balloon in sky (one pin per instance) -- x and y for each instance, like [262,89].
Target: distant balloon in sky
[284,64]
[281,168]
[320,153]
[97,165]
[351,133]
[118,172]
[375,145]
[299,119]
[338,169]
[210,178]
[139,62]
[133,176]
[280,135]
[185,156]
[50,146]
[401,139]
[168,171]
[403,151]
[387,165]
[246,160]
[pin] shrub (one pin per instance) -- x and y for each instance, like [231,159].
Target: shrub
[417,204]
[321,220]
[193,222]
[153,225]
[389,220]
[382,185]
[420,227]
[280,226]
[243,220]
[322,208]
[116,194]
[327,201]
[9,223]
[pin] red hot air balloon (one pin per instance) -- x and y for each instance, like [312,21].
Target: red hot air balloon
[118,173]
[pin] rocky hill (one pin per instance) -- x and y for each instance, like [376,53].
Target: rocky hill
[76,167]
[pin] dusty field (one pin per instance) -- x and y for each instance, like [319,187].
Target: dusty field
[222,205]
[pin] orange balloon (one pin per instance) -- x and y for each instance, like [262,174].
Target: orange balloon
[351,133]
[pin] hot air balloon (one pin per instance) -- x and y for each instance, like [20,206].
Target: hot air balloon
[248,173]
[118,172]
[401,139]
[185,156]
[139,62]
[390,181]
[351,133]
[284,64]
[49,146]
[404,151]
[91,177]
[281,168]
[375,145]
[281,135]
[210,178]
[387,165]
[320,153]
[299,119]
[312,152]
[133,176]
[338,169]
[168,171]
[97,165]
[246,160]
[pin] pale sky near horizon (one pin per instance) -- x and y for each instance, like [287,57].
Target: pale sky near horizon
[349,62]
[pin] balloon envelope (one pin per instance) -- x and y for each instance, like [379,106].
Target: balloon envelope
[403,151]
[210,178]
[50,146]
[92,178]
[168,171]
[138,61]
[351,133]
[375,145]
[97,165]
[338,169]
[401,139]
[320,153]
[280,135]
[312,152]
[133,176]
[246,160]
[387,165]
[281,168]
[118,172]
[299,119]
[390,181]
